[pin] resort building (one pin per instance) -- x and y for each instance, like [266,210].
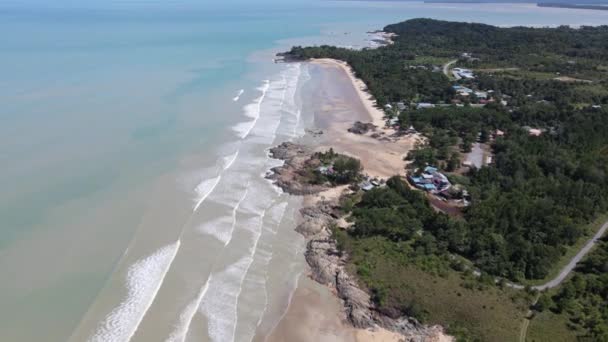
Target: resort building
[431,180]
[460,73]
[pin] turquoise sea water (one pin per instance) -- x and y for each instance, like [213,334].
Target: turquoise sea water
[110,110]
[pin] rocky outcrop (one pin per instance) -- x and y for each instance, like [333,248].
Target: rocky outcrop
[291,176]
[327,264]
[362,128]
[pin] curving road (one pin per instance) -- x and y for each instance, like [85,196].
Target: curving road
[571,265]
[560,277]
[446,68]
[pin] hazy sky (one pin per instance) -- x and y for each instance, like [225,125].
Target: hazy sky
[136,3]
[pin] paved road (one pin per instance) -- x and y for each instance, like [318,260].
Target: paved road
[555,282]
[446,68]
[578,257]
[560,277]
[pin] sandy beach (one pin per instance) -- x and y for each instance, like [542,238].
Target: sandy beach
[376,115]
[381,156]
[315,313]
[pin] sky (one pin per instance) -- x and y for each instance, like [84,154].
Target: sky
[133,3]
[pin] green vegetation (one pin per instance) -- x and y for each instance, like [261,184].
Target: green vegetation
[580,306]
[547,326]
[571,251]
[530,207]
[535,200]
[334,168]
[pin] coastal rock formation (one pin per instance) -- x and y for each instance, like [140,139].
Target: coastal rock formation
[362,128]
[291,176]
[327,262]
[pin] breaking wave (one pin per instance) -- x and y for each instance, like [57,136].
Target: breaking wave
[219,304]
[144,279]
[252,110]
[185,318]
[204,189]
[238,95]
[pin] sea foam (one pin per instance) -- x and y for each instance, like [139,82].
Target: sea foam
[252,110]
[204,189]
[217,227]
[238,96]
[144,279]
[185,318]
[219,304]
[229,160]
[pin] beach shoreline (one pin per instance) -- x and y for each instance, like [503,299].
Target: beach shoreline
[376,114]
[327,305]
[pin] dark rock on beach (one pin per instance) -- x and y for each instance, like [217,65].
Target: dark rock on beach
[291,176]
[327,262]
[362,128]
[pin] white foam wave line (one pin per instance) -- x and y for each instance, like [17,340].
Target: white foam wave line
[283,209]
[179,334]
[258,110]
[289,299]
[249,261]
[144,279]
[185,318]
[285,86]
[295,127]
[204,189]
[219,305]
[234,210]
[229,160]
[238,96]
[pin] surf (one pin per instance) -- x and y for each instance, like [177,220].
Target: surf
[143,280]
[204,189]
[238,95]
[253,111]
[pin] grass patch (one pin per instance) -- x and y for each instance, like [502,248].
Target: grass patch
[547,326]
[594,89]
[426,288]
[522,74]
[590,230]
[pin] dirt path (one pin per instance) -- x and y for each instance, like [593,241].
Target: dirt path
[446,68]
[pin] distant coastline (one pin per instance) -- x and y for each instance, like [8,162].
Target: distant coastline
[589,5]
[574,6]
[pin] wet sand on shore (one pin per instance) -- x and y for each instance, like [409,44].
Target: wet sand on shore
[338,100]
[342,100]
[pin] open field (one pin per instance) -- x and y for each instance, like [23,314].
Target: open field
[549,327]
[464,304]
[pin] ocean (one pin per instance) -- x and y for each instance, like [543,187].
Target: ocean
[134,141]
